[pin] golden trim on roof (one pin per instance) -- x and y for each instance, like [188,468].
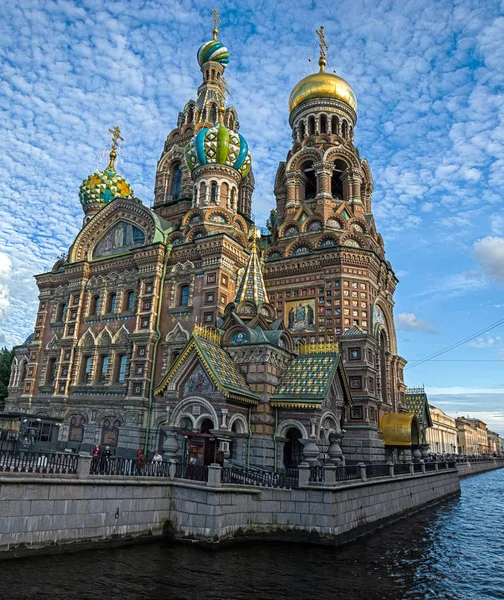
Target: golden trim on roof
[207,333]
[319,348]
[398,429]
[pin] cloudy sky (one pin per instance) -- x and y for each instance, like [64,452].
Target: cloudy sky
[428,75]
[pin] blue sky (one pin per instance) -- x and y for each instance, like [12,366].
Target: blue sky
[429,79]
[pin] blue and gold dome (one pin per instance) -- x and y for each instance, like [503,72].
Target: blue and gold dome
[214,51]
[218,145]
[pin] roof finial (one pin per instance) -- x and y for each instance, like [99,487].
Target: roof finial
[216,21]
[222,112]
[323,48]
[116,135]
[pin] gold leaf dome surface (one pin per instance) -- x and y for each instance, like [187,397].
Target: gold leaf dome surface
[322,85]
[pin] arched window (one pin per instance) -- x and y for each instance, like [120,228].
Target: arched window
[213,114]
[310,181]
[311,125]
[383,366]
[62,310]
[344,129]
[233,198]
[224,193]
[175,182]
[51,371]
[293,450]
[121,371]
[337,187]
[86,371]
[130,300]
[103,367]
[302,130]
[184,295]
[112,303]
[95,305]
[190,115]
[323,124]
[206,426]
[335,125]
[213,193]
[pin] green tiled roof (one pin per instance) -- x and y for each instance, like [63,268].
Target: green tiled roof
[224,368]
[307,379]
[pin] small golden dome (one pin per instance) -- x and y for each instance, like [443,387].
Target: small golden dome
[322,85]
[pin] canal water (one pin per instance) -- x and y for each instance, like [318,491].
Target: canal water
[452,552]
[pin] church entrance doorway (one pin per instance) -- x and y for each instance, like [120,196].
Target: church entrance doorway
[293,449]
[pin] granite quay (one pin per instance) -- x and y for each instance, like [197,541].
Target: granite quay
[42,507]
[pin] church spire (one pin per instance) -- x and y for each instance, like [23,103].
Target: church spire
[252,288]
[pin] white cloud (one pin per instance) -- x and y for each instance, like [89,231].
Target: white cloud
[489,252]
[487,342]
[410,322]
[5,275]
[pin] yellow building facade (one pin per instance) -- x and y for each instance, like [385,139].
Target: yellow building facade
[472,436]
[442,435]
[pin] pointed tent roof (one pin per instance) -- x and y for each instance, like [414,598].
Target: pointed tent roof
[218,364]
[416,402]
[252,286]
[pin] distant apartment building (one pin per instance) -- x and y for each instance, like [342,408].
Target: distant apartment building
[494,443]
[472,436]
[442,435]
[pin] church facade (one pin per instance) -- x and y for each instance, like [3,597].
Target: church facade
[179,328]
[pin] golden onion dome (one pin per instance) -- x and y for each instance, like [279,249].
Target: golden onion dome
[322,85]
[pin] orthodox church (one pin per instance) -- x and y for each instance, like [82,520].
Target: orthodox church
[178,328]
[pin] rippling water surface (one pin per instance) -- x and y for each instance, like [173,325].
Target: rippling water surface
[454,552]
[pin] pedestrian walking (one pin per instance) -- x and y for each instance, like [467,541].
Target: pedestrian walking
[140,462]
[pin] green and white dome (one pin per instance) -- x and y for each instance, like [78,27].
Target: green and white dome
[218,145]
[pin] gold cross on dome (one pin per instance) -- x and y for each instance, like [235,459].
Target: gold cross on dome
[323,47]
[216,22]
[116,135]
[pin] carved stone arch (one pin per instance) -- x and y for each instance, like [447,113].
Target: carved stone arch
[182,268]
[353,235]
[240,419]
[197,233]
[357,221]
[228,335]
[87,340]
[308,153]
[341,153]
[122,337]
[286,341]
[334,426]
[52,344]
[336,222]
[290,250]
[217,211]
[272,252]
[104,338]
[76,413]
[313,218]
[241,237]
[240,222]
[280,178]
[190,217]
[388,325]
[130,211]
[284,426]
[367,176]
[286,225]
[177,334]
[111,416]
[176,238]
[181,408]
[322,241]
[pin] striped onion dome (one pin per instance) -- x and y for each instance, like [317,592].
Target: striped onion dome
[215,51]
[218,145]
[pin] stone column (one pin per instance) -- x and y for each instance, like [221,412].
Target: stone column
[170,446]
[310,451]
[84,465]
[330,475]
[334,451]
[363,474]
[214,475]
[304,474]
[323,172]
[292,184]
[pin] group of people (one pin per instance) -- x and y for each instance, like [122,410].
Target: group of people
[435,457]
[101,460]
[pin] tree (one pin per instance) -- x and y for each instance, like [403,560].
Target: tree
[6,358]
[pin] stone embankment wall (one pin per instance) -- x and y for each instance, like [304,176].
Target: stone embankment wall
[473,468]
[41,511]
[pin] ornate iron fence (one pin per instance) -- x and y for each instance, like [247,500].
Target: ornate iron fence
[347,473]
[233,474]
[38,462]
[126,467]
[377,471]
[194,472]
[430,466]
[417,467]
[317,474]
[401,469]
